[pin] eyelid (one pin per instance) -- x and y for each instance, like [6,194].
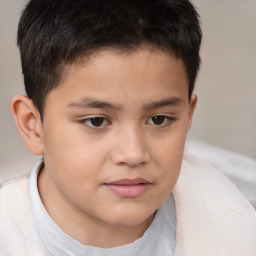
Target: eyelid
[90,118]
[168,120]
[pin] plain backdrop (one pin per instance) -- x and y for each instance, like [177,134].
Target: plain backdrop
[226,87]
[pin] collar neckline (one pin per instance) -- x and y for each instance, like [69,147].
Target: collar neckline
[59,243]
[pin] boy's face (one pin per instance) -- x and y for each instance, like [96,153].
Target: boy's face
[113,137]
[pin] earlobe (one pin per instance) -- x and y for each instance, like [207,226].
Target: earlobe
[28,122]
[192,106]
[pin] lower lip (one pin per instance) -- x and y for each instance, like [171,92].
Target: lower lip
[128,191]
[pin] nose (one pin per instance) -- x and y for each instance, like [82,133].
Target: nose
[131,149]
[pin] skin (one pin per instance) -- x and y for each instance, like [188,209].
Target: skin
[126,92]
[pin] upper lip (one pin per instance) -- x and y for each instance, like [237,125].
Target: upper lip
[136,181]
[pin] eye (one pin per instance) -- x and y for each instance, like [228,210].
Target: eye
[160,120]
[95,122]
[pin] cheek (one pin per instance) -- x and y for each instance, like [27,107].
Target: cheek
[169,169]
[71,159]
[169,157]
[69,144]
[170,148]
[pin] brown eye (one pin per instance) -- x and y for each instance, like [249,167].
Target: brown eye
[161,120]
[158,120]
[95,122]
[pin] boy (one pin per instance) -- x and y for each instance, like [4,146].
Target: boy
[109,102]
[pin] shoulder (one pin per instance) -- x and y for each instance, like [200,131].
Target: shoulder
[18,232]
[13,195]
[215,185]
[212,211]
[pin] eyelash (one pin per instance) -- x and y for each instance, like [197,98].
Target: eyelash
[105,122]
[89,120]
[167,120]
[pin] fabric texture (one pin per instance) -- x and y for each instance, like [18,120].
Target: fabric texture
[213,218]
[239,168]
[159,238]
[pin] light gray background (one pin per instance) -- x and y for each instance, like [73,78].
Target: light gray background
[226,111]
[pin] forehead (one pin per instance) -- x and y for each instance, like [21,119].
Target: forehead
[114,76]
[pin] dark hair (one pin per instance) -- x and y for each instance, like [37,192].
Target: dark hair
[56,33]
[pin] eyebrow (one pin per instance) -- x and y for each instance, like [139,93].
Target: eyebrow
[95,103]
[171,101]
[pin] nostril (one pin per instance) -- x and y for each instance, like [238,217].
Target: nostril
[131,159]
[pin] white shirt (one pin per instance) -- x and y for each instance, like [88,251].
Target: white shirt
[159,238]
[213,218]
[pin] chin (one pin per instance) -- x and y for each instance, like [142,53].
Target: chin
[130,218]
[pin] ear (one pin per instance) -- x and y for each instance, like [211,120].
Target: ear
[192,106]
[28,122]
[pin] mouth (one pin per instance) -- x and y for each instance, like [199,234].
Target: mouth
[129,188]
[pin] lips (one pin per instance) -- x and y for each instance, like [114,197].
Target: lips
[129,188]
